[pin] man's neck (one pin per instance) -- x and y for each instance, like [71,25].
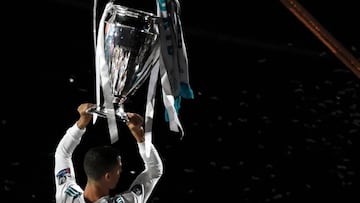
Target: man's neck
[93,192]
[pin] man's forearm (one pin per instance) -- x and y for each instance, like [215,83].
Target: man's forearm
[69,141]
[153,162]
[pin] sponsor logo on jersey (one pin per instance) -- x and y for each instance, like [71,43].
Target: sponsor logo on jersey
[137,189]
[62,175]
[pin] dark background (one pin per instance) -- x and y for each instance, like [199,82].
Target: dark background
[275,117]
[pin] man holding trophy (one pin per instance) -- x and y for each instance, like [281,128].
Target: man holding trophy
[131,46]
[102,166]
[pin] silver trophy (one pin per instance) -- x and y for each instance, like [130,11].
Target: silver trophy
[131,38]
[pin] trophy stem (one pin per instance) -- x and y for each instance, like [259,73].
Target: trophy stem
[121,113]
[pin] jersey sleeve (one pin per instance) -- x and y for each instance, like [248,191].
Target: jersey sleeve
[145,182]
[64,170]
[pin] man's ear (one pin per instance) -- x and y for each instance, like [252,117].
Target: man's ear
[107,176]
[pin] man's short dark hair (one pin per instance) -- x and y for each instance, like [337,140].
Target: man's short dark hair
[100,160]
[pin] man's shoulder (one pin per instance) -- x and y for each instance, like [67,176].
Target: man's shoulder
[115,199]
[71,193]
[74,190]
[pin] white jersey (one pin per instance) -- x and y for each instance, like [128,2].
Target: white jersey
[68,191]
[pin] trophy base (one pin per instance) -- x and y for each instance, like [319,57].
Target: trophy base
[103,112]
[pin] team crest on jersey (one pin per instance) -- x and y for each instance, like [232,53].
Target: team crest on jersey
[137,189]
[62,175]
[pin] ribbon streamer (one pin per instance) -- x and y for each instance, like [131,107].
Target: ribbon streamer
[102,74]
[172,68]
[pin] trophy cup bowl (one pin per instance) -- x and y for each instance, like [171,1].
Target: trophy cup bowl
[130,39]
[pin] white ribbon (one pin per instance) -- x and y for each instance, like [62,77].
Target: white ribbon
[102,77]
[173,64]
[172,67]
[150,107]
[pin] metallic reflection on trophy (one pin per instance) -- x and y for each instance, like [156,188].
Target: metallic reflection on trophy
[130,41]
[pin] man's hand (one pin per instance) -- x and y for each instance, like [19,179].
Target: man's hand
[85,117]
[135,126]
